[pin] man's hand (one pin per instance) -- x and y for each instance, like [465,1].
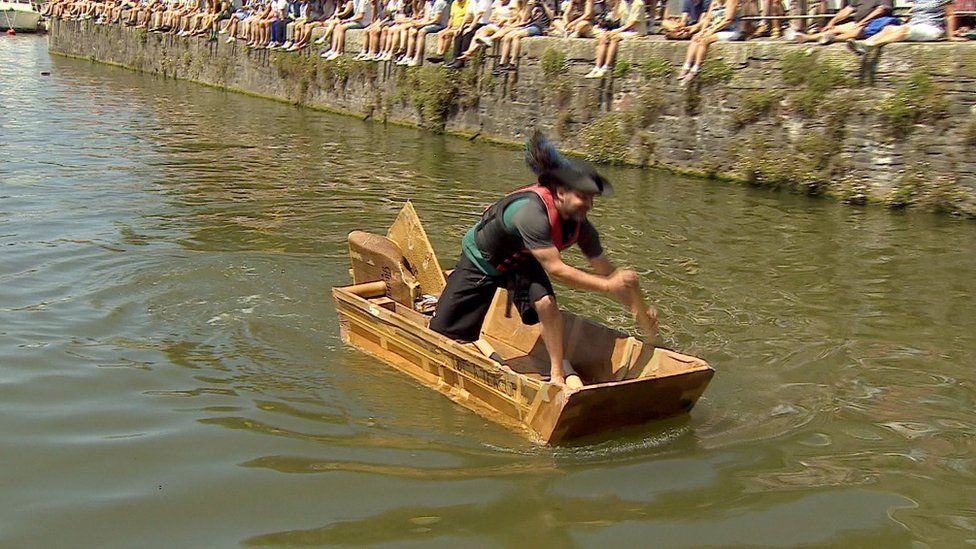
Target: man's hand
[621,281]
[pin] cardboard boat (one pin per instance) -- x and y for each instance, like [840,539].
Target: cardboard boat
[504,375]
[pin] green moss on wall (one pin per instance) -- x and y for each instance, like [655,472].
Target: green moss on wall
[621,69]
[656,68]
[937,193]
[553,63]
[605,140]
[813,77]
[754,104]
[714,71]
[915,101]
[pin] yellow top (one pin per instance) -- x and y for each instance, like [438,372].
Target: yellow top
[458,9]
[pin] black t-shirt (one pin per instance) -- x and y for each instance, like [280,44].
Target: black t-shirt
[531,222]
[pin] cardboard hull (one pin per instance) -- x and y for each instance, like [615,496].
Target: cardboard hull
[544,412]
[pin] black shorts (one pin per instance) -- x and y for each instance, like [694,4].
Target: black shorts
[464,302]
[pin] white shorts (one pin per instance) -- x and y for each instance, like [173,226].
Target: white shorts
[728,36]
[924,33]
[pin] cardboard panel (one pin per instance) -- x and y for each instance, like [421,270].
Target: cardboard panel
[409,234]
[374,258]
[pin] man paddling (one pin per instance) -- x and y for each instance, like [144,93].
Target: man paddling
[517,245]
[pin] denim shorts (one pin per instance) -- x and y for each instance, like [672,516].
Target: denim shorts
[532,30]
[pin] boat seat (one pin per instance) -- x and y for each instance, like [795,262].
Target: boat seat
[377,258]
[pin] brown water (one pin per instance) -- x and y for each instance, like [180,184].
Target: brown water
[171,373]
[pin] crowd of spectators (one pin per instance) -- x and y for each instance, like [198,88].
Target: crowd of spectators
[396,30]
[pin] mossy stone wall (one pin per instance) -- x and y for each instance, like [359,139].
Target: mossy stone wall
[897,128]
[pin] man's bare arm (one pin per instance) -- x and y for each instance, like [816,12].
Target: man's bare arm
[616,281]
[554,265]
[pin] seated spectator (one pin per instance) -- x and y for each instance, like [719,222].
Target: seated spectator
[459,11]
[299,10]
[362,16]
[635,25]
[318,16]
[478,15]
[536,19]
[605,15]
[373,34]
[858,19]
[769,27]
[504,14]
[248,30]
[721,23]
[236,18]
[200,23]
[223,14]
[394,44]
[260,27]
[929,21]
[687,24]
[574,12]
[436,16]
[285,12]
[336,19]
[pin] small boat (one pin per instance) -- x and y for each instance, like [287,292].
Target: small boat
[504,375]
[19,16]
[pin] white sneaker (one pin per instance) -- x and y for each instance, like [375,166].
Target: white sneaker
[403,62]
[286,45]
[222,31]
[320,40]
[333,55]
[593,73]
[361,56]
[826,38]
[325,54]
[413,62]
[230,39]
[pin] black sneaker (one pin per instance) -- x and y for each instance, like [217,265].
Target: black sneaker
[498,70]
[435,59]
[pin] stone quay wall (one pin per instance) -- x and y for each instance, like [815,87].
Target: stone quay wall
[898,127]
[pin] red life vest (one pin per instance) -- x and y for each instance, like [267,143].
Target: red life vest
[493,224]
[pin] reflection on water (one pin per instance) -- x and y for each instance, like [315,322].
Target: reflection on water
[170,361]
